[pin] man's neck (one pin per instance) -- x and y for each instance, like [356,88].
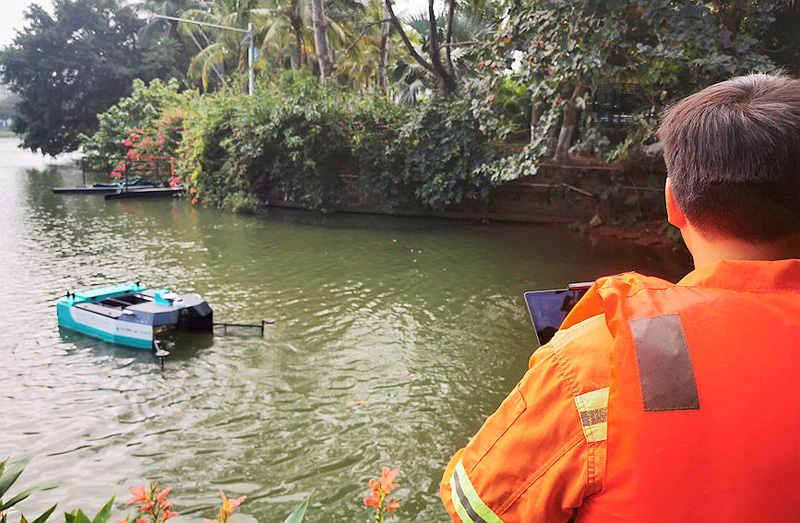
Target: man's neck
[708,249]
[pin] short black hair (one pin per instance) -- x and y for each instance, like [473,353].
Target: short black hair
[732,153]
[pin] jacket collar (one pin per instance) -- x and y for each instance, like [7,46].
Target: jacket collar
[779,275]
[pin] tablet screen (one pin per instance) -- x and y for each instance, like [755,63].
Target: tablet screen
[549,308]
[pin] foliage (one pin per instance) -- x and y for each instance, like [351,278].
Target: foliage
[7,106]
[8,476]
[299,513]
[379,490]
[296,138]
[159,107]
[78,516]
[202,154]
[666,51]
[292,140]
[154,147]
[69,67]
[444,151]
[155,507]
[379,152]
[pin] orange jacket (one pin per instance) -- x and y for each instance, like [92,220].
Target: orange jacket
[703,417]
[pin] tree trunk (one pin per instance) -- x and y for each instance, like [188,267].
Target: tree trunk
[568,126]
[451,12]
[446,82]
[444,79]
[535,115]
[297,29]
[321,38]
[383,80]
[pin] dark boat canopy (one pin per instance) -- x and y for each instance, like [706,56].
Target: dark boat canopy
[186,311]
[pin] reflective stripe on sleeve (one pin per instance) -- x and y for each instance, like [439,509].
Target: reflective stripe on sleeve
[468,504]
[593,410]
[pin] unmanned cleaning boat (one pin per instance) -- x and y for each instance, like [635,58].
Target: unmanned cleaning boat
[133,315]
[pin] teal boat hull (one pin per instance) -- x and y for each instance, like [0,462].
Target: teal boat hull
[132,315]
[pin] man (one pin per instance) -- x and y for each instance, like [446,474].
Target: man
[658,402]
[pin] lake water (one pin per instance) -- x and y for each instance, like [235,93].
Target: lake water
[394,339]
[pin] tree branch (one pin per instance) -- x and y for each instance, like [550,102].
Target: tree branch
[462,44]
[360,36]
[449,36]
[420,60]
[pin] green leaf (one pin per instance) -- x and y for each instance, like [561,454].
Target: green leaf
[80,517]
[47,485]
[105,512]
[27,492]
[69,518]
[10,475]
[300,512]
[45,515]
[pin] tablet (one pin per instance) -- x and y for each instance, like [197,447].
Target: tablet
[549,308]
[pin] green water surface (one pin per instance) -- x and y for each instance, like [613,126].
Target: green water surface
[394,339]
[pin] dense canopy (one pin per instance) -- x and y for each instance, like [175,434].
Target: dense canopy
[540,79]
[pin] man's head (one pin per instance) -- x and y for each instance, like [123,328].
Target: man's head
[733,158]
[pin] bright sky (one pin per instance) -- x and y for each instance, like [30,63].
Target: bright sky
[12,11]
[12,19]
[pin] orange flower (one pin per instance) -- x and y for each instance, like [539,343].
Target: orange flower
[227,508]
[393,505]
[379,489]
[374,500]
[139,495]
[388,477]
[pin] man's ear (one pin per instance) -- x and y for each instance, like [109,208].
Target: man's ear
[675,215]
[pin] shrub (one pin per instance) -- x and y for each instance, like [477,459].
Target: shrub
[444,151]
[145,109]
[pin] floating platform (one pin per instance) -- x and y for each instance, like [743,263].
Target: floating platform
[137,182]
[152,192]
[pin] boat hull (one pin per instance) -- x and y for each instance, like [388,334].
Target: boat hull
[132,315]
[154,192]
[107,329]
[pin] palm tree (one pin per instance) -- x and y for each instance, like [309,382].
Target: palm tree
[219,50]
[283,27]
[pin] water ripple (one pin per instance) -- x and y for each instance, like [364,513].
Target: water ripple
[395,338]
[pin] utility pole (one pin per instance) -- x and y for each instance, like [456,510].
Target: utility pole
[251,51]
